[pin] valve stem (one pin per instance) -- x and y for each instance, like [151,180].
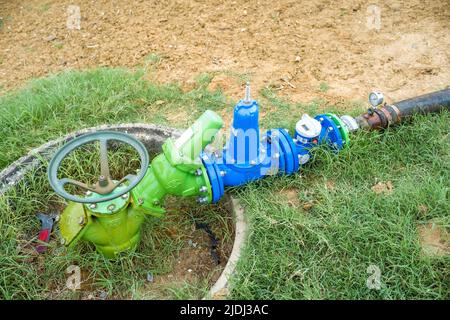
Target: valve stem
[247,92]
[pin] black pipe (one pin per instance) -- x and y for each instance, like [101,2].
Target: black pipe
[427,103]
[399,111]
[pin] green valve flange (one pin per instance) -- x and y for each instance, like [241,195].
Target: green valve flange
[107,207]
[343,130]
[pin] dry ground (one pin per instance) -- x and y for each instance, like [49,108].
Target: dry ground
[306,49]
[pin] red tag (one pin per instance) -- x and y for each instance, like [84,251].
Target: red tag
[44,235]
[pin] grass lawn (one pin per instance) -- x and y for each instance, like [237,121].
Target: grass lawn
[313,235]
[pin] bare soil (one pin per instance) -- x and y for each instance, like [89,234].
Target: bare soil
[434,239]
[304,49]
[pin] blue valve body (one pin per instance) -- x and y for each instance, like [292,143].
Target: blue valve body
[243,145]
[246,158]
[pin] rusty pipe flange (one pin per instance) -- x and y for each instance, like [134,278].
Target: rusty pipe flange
[379,118]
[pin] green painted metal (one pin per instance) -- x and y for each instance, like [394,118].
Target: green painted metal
[342,128]
[107,207]
[112,234]
[72,222]
[179,170]
[162,179]
[114,225]
[111,231]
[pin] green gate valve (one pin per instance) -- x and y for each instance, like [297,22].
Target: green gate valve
[111,213]
[179,170]
[112,226]
[103,215]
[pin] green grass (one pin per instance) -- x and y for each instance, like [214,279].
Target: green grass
[293,252]
[58,45]
[324,252]
[26,275]
[45,7]
[50,107]
[324,87]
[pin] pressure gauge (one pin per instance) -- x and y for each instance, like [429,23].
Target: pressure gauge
[376,98]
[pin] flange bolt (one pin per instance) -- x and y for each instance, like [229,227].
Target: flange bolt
[102,181]
[202,199]
[81,221]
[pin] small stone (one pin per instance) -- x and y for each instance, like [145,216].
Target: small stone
[298,59]
[50,38]
[192,243]
[189,270]
[103,295]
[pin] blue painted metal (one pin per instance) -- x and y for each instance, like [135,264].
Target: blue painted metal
[245,157]
[214,177]
[243,145]
[289,150]
[330,134]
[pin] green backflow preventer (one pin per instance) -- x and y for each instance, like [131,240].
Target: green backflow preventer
[110,213]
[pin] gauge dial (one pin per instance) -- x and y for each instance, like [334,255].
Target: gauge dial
[376,98]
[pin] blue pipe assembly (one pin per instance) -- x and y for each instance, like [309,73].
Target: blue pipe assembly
[111,213]
[248,156]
